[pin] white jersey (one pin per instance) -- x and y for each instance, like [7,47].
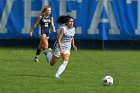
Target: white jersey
[66,39]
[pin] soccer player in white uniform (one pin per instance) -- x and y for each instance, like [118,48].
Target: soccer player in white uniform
[63,45]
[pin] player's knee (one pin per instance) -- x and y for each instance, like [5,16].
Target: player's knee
[66,59]
[51,64]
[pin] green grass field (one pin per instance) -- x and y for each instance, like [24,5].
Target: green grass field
[19,74]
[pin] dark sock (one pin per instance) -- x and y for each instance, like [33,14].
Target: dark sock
[45,49]
[38,51]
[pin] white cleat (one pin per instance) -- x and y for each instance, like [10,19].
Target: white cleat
[36,60]
[56,75]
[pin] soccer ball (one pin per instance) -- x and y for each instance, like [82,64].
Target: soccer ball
[107,81]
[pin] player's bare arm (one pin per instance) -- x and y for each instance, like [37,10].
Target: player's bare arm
[59,40]
[52,24]
[34,26]
[73,45]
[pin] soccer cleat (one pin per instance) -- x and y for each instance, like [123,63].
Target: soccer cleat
[56,75]
[47,50]
[36,59]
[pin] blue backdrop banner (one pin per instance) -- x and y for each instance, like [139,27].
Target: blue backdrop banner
[94,19]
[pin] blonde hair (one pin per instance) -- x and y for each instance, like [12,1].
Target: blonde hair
[44,9]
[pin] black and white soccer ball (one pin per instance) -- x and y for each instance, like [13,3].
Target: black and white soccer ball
[107,81]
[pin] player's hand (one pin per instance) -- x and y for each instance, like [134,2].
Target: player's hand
[54,30]
[30,34]
[61,51]
[75,48]
[62,54]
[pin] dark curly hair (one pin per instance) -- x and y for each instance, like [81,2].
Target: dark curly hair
[64,19]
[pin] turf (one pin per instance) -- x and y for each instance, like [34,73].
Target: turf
[84,73]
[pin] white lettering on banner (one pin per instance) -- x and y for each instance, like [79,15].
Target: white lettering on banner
[96,19]
[73,13]
[5,15]
[137,31]
[45,2]
[28,14]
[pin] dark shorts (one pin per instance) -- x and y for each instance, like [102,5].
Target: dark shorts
[46,33]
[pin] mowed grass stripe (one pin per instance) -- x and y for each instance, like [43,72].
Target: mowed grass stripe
[84,73]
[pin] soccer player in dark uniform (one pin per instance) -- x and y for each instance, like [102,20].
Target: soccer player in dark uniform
[45,22]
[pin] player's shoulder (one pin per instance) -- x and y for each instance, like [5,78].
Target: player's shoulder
[42,15]
[63,27]
[73,28]
[50,17]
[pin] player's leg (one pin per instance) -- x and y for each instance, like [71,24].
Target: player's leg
[38,51]
[63,65]
[53,60]
[44,40]
[47,51]
[42,45]
[56,55]
[48,54]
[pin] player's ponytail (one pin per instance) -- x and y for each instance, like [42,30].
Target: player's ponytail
[45,8]
[63,19]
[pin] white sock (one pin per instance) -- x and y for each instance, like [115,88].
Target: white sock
[62,68]
[49,56]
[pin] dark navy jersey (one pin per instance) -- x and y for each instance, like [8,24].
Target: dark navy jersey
[45,23]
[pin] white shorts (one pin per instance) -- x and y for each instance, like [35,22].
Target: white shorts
[57,52]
